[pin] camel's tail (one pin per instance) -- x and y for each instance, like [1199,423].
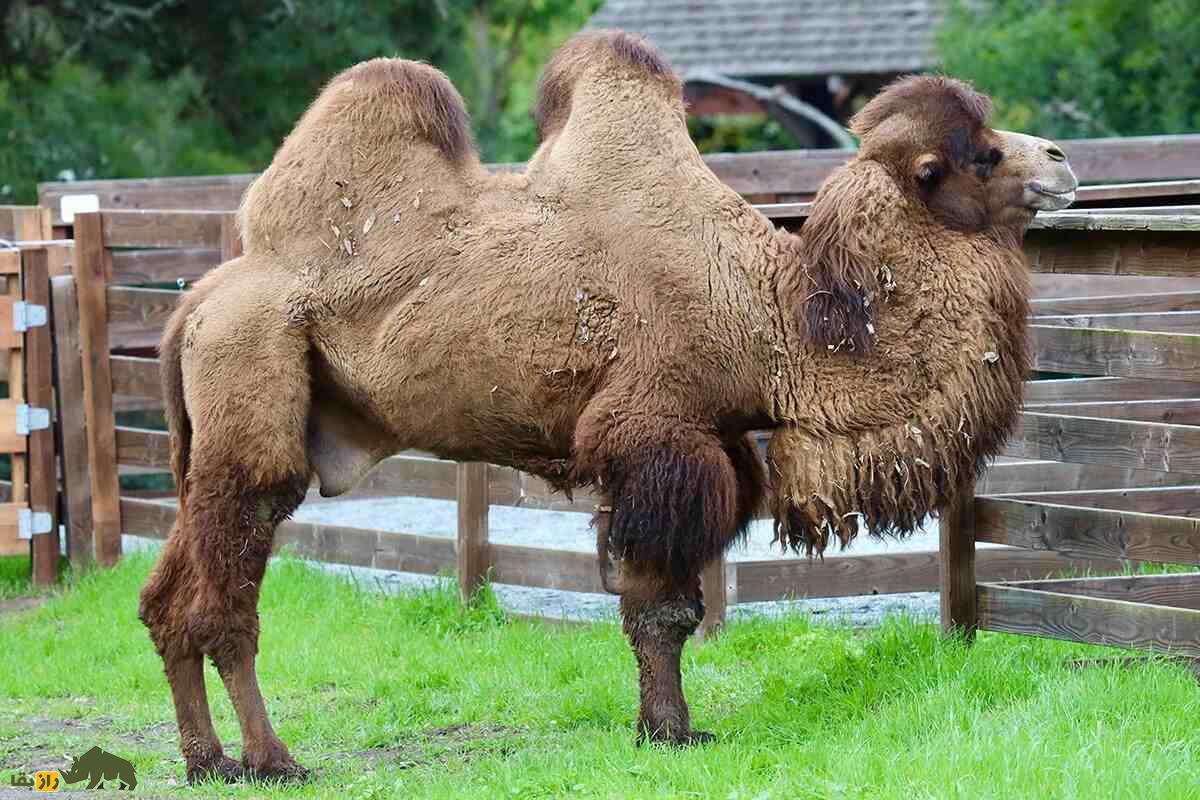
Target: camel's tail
[179,424]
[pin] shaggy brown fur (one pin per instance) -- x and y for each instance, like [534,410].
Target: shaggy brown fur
[615,316]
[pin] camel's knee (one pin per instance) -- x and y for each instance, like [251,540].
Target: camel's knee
[664,622]
[225,539]
[164,601]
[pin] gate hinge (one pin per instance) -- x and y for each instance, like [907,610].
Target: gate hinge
[27,315]
[30,522]
[31,418]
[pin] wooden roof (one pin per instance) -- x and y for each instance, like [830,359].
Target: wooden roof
[794,38]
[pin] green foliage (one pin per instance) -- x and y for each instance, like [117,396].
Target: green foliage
[739,133]
[103,89]
[75,123]
[1081,68]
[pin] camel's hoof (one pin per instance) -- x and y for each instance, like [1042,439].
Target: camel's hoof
[282,771]
[223,769]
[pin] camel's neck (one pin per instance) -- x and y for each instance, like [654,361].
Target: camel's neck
[885,436]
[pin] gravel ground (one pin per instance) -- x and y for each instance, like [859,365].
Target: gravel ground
[564,530]
[567,530]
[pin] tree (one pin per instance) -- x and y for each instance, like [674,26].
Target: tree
[1081,68]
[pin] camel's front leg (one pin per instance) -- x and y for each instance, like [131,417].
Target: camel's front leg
[659,616]
[680,494]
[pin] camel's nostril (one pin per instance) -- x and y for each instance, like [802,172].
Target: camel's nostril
[1055,153]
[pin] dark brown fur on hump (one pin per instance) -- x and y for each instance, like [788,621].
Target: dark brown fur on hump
[568,64]
[434,106]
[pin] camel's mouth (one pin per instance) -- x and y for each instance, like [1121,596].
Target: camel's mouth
[1041,197]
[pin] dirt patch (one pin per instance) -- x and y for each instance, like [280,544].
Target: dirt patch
[34,752]
[439,745]
[18,605]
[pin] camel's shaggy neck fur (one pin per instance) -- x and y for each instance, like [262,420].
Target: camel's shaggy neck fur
[884,437]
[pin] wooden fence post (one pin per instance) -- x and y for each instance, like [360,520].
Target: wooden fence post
[72,432]
[39,393]
[471,547]
[231,240]
[93,268]
[956,535]
[718,584]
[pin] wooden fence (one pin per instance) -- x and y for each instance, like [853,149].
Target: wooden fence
[1164,167]
[28,517]
[114,320]
[1116,296]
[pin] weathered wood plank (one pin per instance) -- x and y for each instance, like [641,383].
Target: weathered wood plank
[163,265]
[333,544]
[215,192]
[956,554]
[162,229]
[71,426]
[1116,443]
[1177,411]
[1092,620]
[471,544]
[137,317]
[1084,390]
[564,570]
[1114,252]
[140,447]
[1052,286]
[1131,191]
[1078,532]
[1121,353]
[1181,590]
[1113,221]
[892,573]
[1163,322]
[136,377]
[1049,476]
[92,271]
[407,476]
[714,581]
[1177,501]
[1128,303]
[39,392]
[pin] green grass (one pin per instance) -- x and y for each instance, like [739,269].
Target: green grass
[369,689]
[14,576]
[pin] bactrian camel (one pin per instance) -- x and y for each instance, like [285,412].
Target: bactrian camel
[615,316]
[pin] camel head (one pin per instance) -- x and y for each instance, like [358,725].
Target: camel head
[930,132]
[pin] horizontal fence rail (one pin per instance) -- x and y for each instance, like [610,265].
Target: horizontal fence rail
[1147,160]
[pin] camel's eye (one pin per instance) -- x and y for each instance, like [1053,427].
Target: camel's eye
[986,161]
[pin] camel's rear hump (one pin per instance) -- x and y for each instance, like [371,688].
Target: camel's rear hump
[378,133]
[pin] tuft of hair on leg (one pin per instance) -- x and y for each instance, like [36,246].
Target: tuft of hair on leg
[676,503]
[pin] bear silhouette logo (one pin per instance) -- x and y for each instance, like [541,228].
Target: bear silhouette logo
[98,766]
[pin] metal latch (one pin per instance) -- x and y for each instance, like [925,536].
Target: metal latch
[27,315]
[31,418]
[30,522]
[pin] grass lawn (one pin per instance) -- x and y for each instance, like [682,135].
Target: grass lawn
[418,696]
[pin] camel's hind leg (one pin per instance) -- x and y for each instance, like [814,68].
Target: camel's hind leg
[235,520]
[245,379]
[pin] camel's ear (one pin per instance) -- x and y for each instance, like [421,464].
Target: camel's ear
[841,280]
[928,169]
